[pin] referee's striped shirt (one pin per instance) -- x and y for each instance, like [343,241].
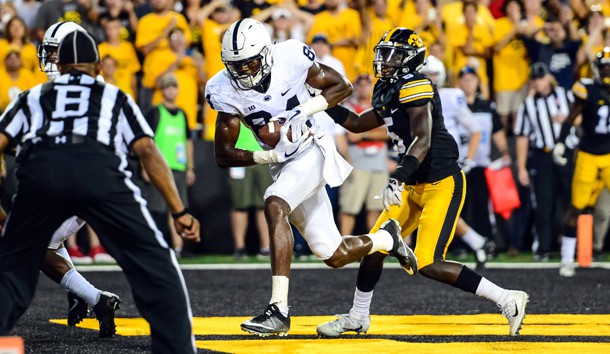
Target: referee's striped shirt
[535,118]
[77,104]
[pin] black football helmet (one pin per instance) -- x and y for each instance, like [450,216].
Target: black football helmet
[601,67]
[400,51]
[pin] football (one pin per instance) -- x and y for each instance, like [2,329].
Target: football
[270,133]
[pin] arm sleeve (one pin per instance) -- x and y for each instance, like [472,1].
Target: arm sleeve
[464,115]
[132,122]
[416,93]
[579,90]
[522,125]
[14,122]
[152,118]
[215,99]
[496,123]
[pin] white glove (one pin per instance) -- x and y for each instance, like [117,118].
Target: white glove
[392,194]
[286,149]
[558,152]
[466,165]
[297,120]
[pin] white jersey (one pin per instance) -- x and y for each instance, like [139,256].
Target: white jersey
[458,117]
[485,122]
[287,89]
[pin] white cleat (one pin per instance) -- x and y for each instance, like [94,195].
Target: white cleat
[344,323]
[513,308]
[567,270]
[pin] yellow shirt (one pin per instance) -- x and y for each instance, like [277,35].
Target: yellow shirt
[365,53]
[346,25]
[428,35]
[397,14]
[211,38]
[127,60]
[186,74]
[511,67]
[452,14]
[482,40]
[9,88]
[29,55]
[150,28]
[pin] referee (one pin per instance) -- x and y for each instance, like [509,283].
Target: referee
[537,129]
[72,133]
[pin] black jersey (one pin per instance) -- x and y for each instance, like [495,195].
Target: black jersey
[390,101]
[595,138]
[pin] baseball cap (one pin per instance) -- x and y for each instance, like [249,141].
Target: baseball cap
[167,80]
[12,49]
[468,70]
[538,70]
[77,47]
[319,38]
[281,12]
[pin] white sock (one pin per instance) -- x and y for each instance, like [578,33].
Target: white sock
[75,283]
[62,251]
[382,241]
[568,248]
[279,293]
[473,239]
[362,303]
[490,290]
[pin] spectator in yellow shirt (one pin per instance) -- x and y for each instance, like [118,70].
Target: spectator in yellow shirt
[16,34]
[470,45]
[151,41]
[425,20]
[342,27]
[452,13]
[510,62]
[13,77]
[125,55]
[215,17]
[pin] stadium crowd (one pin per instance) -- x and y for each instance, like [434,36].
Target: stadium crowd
[507,46]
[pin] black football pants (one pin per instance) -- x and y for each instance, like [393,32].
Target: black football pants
[90,181]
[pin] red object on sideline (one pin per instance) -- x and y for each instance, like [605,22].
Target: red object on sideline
[585,240]
[502,191]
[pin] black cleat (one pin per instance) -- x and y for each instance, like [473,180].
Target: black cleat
[104,312]
[271,322]
[78,309]
[400,250]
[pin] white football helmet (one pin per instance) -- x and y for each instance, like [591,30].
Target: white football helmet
[435,66]
[246,52]
[47,49]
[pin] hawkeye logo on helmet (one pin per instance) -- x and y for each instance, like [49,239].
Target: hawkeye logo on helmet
[415,41]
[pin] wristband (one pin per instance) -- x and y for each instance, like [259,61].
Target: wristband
[313,105]
[407,167]
[264,157]
[338,113]
[181,213]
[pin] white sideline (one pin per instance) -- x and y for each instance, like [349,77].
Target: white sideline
[321,265]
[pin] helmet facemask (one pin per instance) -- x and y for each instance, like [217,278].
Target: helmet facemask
[391,61]
[248,73]
[47,59]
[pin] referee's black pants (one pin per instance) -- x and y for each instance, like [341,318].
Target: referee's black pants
[476,205]
[90,181]
[551,186]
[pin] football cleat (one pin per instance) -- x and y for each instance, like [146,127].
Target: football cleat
[484,253]
[78,309]
[104,312]
[271,322]
[567,270]
[513,308]
[344,323]
[400,251]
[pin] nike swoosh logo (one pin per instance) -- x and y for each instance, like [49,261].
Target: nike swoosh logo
[393,110]
[516,311]
[285,92]
[296,113]
[357,329]
[73,306]
[287,155]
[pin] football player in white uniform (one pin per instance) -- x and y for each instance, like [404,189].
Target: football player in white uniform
[466,130]
[262,82]
[57,264]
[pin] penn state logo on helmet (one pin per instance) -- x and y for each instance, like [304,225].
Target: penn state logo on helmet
[601,67]
[246,53]
[400,51]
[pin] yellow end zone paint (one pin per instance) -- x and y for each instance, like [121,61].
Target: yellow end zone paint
[366,346]
[433,325]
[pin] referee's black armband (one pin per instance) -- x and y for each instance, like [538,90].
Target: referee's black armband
[181,213]
[338,113]
[406,168]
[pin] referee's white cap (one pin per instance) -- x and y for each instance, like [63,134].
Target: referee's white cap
[76,48]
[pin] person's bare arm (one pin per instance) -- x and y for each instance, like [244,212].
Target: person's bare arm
[420,119]
[335,87]
[161,177]
[363,122]
[227,132]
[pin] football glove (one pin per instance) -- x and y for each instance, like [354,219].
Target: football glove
[466,165]
[392,194]
[558,152]
[297,120]
[286,149]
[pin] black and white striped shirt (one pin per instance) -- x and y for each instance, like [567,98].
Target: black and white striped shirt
[535,118]
[76,104]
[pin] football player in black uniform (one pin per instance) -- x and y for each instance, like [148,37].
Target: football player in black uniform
[592,101]
[426,192]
